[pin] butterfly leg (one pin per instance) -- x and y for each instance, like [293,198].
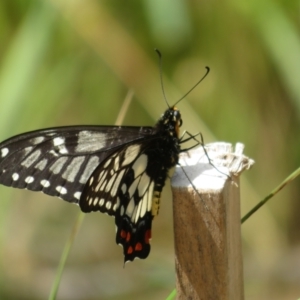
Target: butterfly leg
[191,137]
[201,142]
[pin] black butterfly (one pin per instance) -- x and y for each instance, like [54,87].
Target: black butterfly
[118,170]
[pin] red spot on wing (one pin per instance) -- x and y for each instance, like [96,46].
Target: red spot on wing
[147,236]
[134,238]
[123,234]
[128,237]
[129,250]
[138,247]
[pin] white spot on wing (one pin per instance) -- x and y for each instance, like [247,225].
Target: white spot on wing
[28,161]
[90,167]
[4,152]
[37,140]
[95,201]
[116,185]
[91,180]
[108,205]
[107,163]
[117,163]
[58,141]
[62,190]
[89,141]
[45,183]
[100,182]
[26,151]
[53,152]
[77,195]
[116,205]
[15,176]
[58,165]
[130,154]
[101,202]
[41,164]
[137,214]
[110,183]
[63,150]
[100,175]
[140,165]
[103,185]
[133,187]
[143,184]
[29,179]
[130,208]
[73,168]
[124,188]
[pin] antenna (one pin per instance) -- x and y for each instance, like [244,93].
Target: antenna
[206,73]
[162,83]
[160,75]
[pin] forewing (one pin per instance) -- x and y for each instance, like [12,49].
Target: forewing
[121,187]
[59,161]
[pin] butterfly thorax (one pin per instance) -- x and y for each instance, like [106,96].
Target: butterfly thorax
[167,129]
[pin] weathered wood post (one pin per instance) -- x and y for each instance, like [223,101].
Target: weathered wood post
[207,226]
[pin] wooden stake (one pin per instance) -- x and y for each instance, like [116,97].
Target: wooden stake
[207,227]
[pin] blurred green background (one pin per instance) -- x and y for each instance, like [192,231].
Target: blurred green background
[73,62]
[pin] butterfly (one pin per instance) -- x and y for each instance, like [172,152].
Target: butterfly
[118,170]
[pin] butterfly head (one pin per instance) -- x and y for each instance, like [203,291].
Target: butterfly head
[170,121]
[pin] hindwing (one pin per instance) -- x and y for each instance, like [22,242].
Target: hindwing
[121,186]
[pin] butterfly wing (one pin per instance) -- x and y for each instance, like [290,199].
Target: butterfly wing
[121,186]
[117,170]
[59,161]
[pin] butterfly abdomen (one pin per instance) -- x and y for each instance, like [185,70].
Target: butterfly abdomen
[165,154]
